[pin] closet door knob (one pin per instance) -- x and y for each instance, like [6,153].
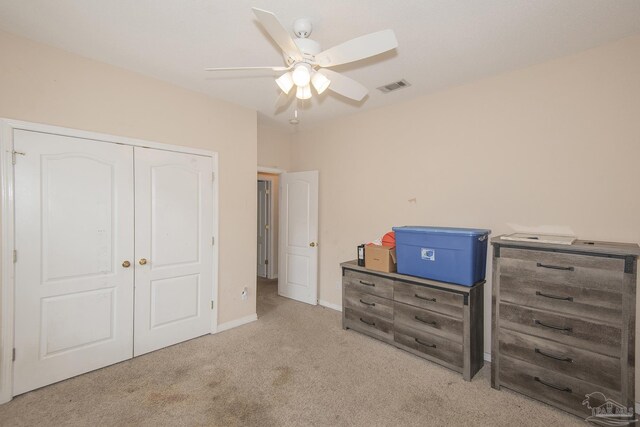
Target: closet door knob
[142,261]
[126,264]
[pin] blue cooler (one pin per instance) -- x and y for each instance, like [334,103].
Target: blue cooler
[454,255]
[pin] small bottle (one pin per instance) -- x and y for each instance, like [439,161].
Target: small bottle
[361,255]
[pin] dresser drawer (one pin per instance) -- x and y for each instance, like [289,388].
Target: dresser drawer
[449,303]
[563,268]
[433,345]
[369,324]
[367,303]
[593,336]
[579,301]
[427,321]
[551,387]
[595,368]
[368,283]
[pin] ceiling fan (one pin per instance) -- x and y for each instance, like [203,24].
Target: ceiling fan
[306,62]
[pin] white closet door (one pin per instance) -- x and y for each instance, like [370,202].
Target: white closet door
[173,245]
[73,223]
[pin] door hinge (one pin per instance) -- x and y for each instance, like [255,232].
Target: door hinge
[14,153]
[211,304]
[15,256]
[266,262]
[13,355]
[213,240]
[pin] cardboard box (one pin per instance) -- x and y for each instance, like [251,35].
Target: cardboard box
[380,258]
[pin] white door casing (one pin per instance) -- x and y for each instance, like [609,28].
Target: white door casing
[263,232]
[298,241]
[174,229]
[73,226]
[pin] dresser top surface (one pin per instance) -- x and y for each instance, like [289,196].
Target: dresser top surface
[353,265]
[584,246]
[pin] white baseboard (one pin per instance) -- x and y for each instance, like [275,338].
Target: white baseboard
[637,407]
[237,322]
[332,306]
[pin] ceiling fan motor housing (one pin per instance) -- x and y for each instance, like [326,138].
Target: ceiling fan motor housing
[309,48]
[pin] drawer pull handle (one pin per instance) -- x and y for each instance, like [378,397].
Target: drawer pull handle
[551,356]
[362,282]
[540,294]
[557,328]
[425,321]
[371,304]
[367,323]
[555,387]
[425,298]
[424,343]
[555,267]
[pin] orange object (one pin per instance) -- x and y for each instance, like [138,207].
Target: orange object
[389,239]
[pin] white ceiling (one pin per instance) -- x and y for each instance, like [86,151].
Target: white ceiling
[441,43]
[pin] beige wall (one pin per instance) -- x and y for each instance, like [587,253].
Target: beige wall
[274,146]
[46,85]
[552,145]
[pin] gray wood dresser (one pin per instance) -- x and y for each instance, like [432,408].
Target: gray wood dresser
[438,321]
[563,322]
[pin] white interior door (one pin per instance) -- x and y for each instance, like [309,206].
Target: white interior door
[263,225]
[74,228]
[298,242]
[173,246]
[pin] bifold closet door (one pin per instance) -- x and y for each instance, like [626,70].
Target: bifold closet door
[173,246]
[74,224]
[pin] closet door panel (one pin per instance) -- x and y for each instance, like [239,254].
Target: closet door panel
[74,229]
[174,253]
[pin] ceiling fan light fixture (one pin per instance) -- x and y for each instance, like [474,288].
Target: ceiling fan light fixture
[320,82]
[301,75]
[285,82]
[303,92]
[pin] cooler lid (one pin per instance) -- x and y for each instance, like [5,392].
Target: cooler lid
[473,232]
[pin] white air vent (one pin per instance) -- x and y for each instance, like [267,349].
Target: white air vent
[394,86]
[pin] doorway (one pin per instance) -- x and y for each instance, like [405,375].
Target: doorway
[267,226]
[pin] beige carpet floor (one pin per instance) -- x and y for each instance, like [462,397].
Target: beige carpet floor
[294,366]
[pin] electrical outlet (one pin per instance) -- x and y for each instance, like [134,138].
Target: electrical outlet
[245,294]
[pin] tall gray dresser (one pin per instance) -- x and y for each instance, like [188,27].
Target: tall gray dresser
[563,322]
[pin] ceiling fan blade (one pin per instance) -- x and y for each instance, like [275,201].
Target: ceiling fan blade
[345,86]
[248,68]
[278,33]
[358,48]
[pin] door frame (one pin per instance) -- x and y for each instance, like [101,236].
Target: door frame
[269,188]
[7,201]
[272,203]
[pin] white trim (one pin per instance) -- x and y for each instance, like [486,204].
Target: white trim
[216,244]
[8,245]
[103,137]
[487,357]
[238,322]
[7,126]
[266,169]
[330,305]
[637,407]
